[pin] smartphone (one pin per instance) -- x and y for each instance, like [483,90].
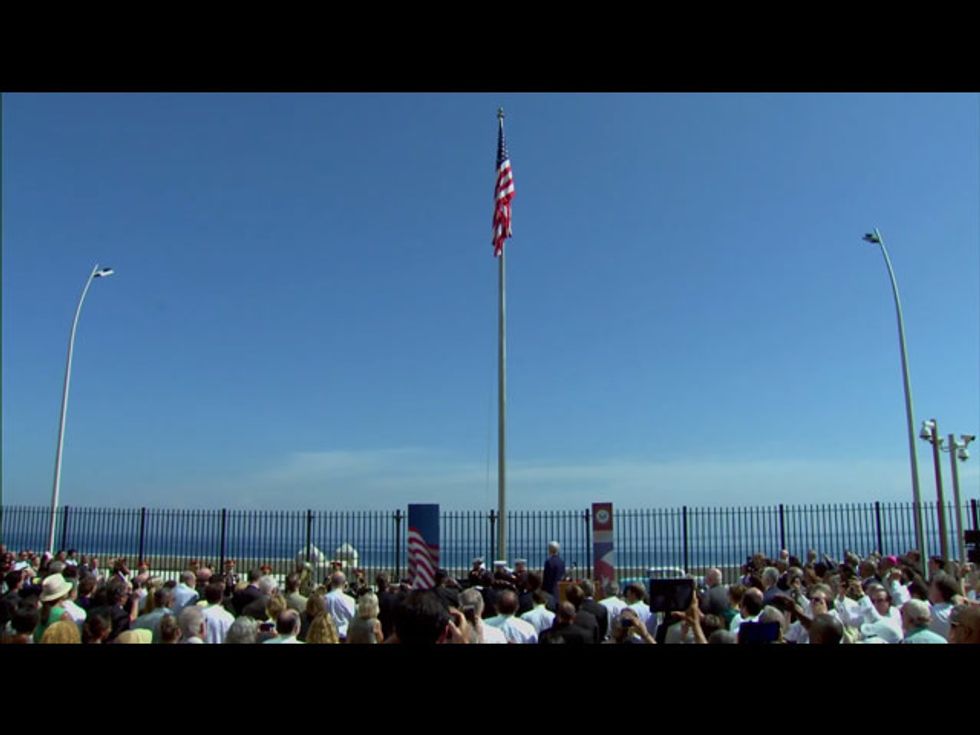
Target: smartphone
[669,595]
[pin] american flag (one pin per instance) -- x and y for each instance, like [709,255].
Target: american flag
[423,545]
[503,193]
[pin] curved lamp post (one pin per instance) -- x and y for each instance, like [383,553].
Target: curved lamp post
[97,272]
[875,238]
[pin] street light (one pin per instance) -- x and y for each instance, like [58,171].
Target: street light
[97,272]
[920,542]
[957,450]
[930,433]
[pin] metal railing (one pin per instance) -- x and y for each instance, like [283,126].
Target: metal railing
[691,538]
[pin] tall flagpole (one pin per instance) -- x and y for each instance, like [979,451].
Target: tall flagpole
[502,407]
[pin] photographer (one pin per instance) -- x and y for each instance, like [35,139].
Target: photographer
[628,628]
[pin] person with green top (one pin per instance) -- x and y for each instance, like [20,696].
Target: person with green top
[54,591]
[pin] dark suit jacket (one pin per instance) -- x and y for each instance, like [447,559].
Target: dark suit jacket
[554,572]
[587,622]
[570,634]
[387,602]
[715,601]
[256,608]
[243,597]
[448,596]
[601,613]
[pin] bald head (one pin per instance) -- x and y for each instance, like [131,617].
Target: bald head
[337,580]
[713,577]
[507,603]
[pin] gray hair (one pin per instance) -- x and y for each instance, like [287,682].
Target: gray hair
[611,588]
[770,575]
[472,598]
[772,614]
[367,606]
[267,585]
[243,630]
[554,546]
[916,612]
[191,619]
[188,577]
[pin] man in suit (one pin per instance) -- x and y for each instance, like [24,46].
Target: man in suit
[590,605]
[554,570]
[584,619]
[241,598]
[715,600]
[564,629]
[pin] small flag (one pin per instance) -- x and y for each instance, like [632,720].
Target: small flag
[423,545]
[503,193]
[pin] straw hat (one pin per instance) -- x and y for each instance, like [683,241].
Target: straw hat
[135,635]
[54,588]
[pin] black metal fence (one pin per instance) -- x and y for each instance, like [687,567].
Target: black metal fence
[690,538]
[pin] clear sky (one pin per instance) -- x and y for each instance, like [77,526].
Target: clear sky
[303,312]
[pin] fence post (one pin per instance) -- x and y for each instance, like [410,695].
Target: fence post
[684,519]
[782,527]
[139,555]
[398,544]
[493,535]
[309,534]
[224,526]
[878,534]
[973,512]
[590,562]
[64,530]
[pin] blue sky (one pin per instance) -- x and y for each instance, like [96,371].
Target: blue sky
[304,307]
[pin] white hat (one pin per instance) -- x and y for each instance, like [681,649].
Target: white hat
[20,565]
[54,588]
[880,632]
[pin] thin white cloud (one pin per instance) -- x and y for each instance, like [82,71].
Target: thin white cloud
[390,478]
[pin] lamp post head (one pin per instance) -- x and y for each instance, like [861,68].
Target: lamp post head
[104,272]
[872,238]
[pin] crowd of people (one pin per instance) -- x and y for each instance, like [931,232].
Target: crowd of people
[64,598]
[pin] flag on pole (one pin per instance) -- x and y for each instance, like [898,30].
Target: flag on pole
[423,545]
[503,193]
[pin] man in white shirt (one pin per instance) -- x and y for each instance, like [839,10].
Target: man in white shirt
[942,589]
[341,606]
[612,602]
[540,616]
[750,609]
[635,592]
[287,627]
[185,593]
[514,629]
[471,605]
[192,628]
[76,613]
[217,620]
